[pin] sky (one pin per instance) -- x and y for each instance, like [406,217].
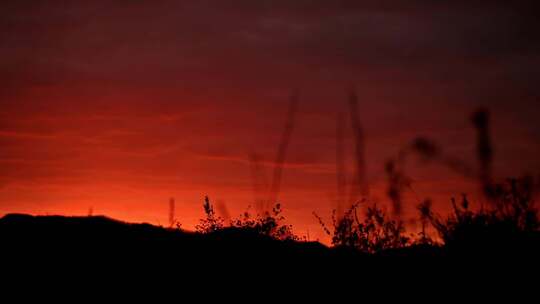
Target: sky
[118,106]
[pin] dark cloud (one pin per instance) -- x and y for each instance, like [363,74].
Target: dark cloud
[192,41]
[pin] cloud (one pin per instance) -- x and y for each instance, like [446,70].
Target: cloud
[189,42]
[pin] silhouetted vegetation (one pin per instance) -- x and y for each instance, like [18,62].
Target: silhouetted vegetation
[212,222]
[270,223]
[375,233]
[510,222]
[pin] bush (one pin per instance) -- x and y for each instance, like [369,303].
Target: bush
[268,224]
[212,222]
[374,234]
[509,218]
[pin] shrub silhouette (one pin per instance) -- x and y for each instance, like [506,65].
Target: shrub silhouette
[374,234]
[212,222]
[510,224]
[268,224]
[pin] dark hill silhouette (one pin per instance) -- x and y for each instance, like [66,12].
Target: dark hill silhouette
[27,231]
[100,237]
[97,249]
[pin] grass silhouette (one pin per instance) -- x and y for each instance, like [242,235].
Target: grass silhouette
[374,234]
[510,225]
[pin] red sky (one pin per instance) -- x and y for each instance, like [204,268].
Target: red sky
[120,106]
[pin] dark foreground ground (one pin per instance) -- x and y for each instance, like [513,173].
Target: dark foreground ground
[85,245]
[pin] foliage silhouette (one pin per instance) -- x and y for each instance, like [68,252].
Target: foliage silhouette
[512,223]
[269,224]
[374,234]
[212,222]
